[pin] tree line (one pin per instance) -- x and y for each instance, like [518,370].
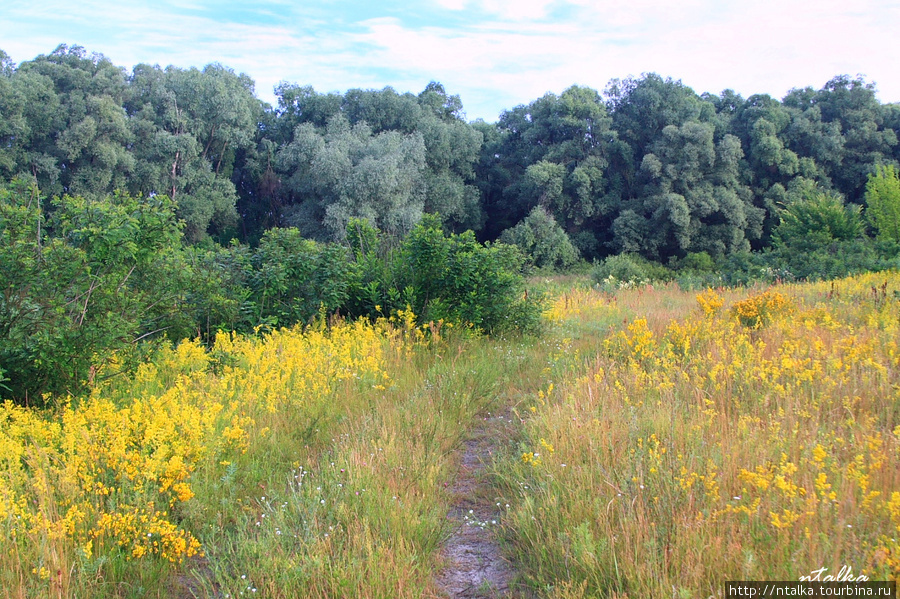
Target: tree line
[648,166]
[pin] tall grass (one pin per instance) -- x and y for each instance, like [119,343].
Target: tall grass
[745,435]
[309,463]
[669,441]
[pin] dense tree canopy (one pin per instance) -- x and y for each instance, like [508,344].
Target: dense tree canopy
[648,166]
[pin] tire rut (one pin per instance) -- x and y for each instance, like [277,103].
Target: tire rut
[476,566]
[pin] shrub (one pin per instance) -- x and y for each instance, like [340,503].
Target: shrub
[883,201]
[541,238]
[809,224]
[82,285]
[627,270]
[697,262]
[294,278]
[456,278]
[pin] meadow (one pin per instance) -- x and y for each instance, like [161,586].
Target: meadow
[661,443]
[747,434]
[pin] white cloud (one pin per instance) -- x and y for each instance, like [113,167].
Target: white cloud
[504,52]
[452,4]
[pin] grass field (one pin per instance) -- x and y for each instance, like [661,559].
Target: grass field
[665,442]
[730,435]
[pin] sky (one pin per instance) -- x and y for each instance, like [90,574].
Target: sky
[495,54]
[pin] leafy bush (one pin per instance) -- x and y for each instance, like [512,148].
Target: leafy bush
[294,278]
[883,201]
[541,238]
[456,278]
[809,224]
[697,262]
[697,270]
[836,259]
[219,295]
[82,285]
[629,269]
[746,268]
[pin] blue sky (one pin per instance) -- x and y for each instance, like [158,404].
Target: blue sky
[495,54]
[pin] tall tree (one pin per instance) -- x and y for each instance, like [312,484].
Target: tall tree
[79,133]
[350,172]
[14,129]
[844,108]
[189,125]
[552,153]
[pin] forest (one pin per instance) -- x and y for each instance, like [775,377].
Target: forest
[173,202]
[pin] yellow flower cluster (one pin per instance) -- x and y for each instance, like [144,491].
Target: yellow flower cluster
[710,302]
[756,311]
[140,532]
[83,481]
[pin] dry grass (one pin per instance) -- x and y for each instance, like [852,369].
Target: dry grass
[717,438]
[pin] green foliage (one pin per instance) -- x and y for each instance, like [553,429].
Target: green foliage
[436,176]
[552,152]
[629,269]
[455,278]
[362,237]
[698,262]
[82,285]
[350,172]
[834,260]
[817,221]
[541,238]
[697,270]
[189,127]
[883,202]
[821,238]
[219,295]
[294,279]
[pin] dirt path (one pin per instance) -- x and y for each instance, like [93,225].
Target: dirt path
[475,564]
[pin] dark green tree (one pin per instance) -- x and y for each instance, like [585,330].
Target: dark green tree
[553,153]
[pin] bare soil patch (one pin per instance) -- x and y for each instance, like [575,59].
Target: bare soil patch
[476,566]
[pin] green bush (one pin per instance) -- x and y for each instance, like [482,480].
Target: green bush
[456,278]
[82,285]
[810,224]
[836,259]
[883,202]
[294,279]
[541,238]
[219,297]
[697,262]
[629,270]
